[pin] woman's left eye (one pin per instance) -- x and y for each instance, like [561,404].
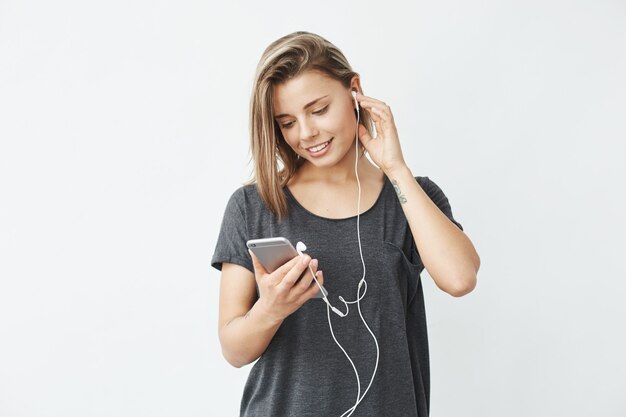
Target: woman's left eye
[321,111]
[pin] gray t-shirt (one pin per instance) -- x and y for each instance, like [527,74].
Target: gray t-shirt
[303,373]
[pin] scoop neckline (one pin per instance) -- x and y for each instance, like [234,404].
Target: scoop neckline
[378,199]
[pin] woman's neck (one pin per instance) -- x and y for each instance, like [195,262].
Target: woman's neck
[339,174]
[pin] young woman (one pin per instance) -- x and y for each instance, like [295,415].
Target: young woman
[372,234]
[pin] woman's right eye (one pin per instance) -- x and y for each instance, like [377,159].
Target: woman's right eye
[288,125]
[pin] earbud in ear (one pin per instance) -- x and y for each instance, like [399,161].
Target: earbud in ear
[356,103]
[300,247]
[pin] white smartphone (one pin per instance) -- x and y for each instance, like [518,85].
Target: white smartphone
[274,252]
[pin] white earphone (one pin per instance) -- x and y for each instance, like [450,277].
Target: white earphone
[301,247]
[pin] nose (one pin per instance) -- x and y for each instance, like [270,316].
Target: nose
[308,130]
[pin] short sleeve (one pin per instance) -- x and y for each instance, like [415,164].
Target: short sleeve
[231,241]
[438,197]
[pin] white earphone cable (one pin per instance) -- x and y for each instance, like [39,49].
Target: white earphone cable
[359,399]
[359,297]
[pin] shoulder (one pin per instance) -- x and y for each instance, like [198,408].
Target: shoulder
[429,186]
[437,195]
[423,181]
[243,194]
[247,201]
[237,203]
[433,191]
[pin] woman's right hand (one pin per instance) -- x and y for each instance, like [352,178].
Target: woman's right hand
[278,295]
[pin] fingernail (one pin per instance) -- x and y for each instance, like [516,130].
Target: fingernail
[314,263]
[305,259]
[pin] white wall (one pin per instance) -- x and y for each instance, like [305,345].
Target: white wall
[123,130]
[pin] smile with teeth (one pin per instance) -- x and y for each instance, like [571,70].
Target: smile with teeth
[319,147]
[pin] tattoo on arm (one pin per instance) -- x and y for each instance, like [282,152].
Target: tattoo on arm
[400,196]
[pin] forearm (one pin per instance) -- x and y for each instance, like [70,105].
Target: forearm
[446,252]
[245,338]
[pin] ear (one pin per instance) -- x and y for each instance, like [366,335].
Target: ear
[355,84]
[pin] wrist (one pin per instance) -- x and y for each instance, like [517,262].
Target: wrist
[264,314]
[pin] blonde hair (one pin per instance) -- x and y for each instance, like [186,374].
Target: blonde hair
[284,59]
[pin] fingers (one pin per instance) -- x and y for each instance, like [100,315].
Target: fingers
[295,272]
[307,278]
[276,277]
[369,101]
[313,288]
[364,136]
[287,266]
[288,274]
[377,108]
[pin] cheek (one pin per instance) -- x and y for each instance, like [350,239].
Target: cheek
[291,138]
[336,123]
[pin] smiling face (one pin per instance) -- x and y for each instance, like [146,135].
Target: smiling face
[311,110]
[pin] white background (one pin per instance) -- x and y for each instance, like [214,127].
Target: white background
[124,130]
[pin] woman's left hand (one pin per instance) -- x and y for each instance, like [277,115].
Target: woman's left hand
[385,148]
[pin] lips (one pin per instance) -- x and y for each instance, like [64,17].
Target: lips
[310,149]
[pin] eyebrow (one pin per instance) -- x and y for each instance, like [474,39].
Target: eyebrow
[304,108]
